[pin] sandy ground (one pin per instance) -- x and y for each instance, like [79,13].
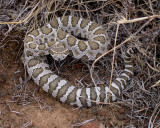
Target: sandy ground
[22,104]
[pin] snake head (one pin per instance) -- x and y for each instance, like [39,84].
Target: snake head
[59,52]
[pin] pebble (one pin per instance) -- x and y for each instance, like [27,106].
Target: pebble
[93,124]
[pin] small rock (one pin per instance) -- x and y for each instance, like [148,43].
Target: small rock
[121,111]
[93,124]
[102,113]
[121,117]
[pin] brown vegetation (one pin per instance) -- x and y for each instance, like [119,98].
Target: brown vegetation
[128,23]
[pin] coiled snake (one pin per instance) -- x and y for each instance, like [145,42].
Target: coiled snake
[58,39]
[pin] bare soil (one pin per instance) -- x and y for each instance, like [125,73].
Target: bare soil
[22,104]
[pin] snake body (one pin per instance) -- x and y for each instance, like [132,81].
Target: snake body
[60,38]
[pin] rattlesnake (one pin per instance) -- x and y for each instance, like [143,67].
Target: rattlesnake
[59,38]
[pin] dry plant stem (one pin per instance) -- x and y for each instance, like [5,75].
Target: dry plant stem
[20,22]
[116,47]
[50,5]
[124,20]
[154,69]
[150,2]
[155,85]
[76,10]
[153,117]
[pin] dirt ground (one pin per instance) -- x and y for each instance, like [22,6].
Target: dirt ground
[22,104]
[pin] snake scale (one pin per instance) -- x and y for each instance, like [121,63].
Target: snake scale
[59,38]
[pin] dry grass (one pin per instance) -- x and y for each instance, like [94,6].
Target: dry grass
[129,23]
